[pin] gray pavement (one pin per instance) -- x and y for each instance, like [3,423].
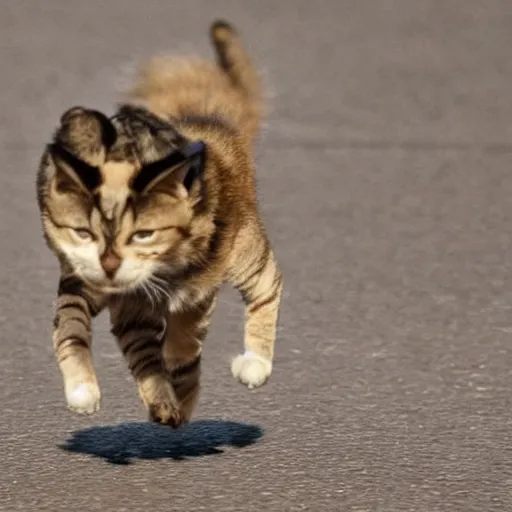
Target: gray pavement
[385,183]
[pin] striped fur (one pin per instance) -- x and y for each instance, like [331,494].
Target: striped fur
[149,212]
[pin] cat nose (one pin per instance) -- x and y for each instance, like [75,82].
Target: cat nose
[110,262]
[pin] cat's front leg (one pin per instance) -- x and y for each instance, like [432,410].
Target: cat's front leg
[140,328]
[260,282]
[72,337]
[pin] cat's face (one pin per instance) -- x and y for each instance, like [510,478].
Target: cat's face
[118,198]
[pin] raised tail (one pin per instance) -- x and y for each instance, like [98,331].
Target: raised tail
[235,62]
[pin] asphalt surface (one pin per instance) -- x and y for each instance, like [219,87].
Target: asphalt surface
[385,183]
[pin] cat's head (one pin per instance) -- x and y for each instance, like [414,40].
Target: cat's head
[119,197]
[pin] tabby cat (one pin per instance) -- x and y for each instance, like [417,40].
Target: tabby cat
[148,213]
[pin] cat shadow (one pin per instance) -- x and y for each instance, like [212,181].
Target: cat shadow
[123,443]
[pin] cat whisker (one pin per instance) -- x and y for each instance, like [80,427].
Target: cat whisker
[158,287]
[148,291]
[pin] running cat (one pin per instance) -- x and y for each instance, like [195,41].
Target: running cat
[149,212]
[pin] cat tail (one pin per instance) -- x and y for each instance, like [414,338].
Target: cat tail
[233,59]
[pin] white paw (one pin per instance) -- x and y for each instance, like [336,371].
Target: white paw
[84,398]
[251,369]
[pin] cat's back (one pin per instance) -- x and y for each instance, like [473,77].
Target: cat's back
[226,92]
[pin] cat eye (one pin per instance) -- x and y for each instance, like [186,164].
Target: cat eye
[83,234]
[143,236]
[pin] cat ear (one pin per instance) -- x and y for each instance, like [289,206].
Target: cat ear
[179,170]
[79,146]
[71,173]
[193,168]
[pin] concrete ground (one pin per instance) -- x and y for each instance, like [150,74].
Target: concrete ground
[385,181]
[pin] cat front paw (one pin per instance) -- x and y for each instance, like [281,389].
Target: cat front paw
[83,398]
[166,413]
[251,369]
[161,402]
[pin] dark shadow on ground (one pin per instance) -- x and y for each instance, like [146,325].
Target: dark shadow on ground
[120,444]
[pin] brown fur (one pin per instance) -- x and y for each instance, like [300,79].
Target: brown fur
[149,212]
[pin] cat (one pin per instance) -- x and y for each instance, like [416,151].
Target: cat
[149,212]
